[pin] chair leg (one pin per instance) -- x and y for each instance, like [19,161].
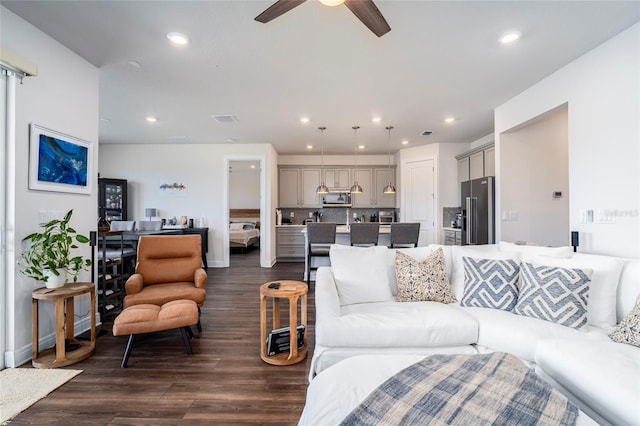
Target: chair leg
[186,340]
[199,324]
[191,335]
[308,271]
[127,351]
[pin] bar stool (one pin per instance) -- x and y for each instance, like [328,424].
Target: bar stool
[320,235]
[405,234]
[364,234]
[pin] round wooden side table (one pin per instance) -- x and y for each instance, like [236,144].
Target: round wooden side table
[293,291]
[64,300]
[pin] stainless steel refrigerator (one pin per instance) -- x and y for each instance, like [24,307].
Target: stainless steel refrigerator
[478,211]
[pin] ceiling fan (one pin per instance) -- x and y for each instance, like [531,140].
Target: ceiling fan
[365,10]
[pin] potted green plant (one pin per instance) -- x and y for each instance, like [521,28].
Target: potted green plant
[49,258]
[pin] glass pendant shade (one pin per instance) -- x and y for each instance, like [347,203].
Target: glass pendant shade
[356,188]
[389,189]
[322,189]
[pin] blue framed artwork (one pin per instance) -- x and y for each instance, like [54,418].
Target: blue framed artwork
[59,162]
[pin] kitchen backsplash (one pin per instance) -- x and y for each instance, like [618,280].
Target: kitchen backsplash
[333,214]
[449,215]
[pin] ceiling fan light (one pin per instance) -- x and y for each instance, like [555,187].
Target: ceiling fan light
[356,189]
[389,189]
[332,3]
[322,189]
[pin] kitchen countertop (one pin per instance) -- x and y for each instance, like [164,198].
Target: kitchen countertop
[448,228]
[344,229]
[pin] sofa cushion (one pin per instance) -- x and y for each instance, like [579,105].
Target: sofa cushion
[360,273]
[628,331]
[527,253]
[606,378]
[393,324]
[490,283]
[601,307]
[628,288]
[519,335]
[421,281]
[554,294]
[487,251]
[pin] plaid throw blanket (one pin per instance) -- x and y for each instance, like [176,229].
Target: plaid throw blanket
[494,389]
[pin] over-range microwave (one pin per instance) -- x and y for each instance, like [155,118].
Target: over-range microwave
[336,199]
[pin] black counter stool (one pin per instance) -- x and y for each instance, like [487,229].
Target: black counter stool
[364,234]
[320,236]
[405,234]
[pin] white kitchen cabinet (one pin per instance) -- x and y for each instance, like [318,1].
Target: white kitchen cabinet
[364,177]
[310,180]
[289,188]
[490,161]
[381,178]
[337,178]
[476,165]
[463,169]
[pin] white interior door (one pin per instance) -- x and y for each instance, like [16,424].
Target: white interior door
[4,323]
[419,205]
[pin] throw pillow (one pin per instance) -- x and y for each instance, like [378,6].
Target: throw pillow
[422,281]
[360,274]
[554,294]
[628,331]
[490,283]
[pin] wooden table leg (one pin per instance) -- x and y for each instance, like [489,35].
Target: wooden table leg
[276,313]
[93,317]
[293,327]
[34,329]
[69,316]
[263,325]
[60,349]
[303,315]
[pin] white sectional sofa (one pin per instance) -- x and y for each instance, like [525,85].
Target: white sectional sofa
[356,315]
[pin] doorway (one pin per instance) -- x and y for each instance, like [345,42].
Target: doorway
[419,205]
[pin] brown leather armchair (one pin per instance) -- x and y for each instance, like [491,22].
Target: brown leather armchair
[168,268]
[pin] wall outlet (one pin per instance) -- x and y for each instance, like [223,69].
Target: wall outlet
[292,215]
[355,215]
[605,216]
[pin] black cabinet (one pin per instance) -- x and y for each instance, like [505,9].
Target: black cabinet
[110,274]
[112,199]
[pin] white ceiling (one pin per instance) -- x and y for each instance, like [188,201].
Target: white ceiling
[440,59]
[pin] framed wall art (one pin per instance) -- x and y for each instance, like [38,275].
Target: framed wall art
[59,162]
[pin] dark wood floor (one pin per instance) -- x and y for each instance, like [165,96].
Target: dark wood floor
[223,382]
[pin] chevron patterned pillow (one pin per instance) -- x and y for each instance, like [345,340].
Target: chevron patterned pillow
[554,294]
[490,283]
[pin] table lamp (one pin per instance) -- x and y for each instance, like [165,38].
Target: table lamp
[150,213]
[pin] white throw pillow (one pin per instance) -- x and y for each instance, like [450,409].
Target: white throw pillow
[527,253]
[235,226]
[360,274]
[601,306]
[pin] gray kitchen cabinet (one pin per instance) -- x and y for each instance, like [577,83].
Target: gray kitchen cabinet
[310,180]
[490,161]
[381,178]
[364,177]
[463,169]
[337,178]
[297,187]
[476,165]
[452,237]
[288,188]
[290,243]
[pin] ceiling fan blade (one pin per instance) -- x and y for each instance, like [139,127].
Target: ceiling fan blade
[368,13]
[278,8]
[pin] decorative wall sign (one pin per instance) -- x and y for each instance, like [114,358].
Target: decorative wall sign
[173,188]
[59,162]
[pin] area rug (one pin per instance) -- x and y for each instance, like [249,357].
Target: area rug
[22,387]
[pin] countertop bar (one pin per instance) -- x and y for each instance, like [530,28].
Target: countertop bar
[448,228]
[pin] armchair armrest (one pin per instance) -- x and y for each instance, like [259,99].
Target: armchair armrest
[200,278]
[134,284]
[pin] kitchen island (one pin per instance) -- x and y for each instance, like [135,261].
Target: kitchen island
[343,236]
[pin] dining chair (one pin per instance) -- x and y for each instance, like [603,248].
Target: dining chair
[320,236]
[405,234]
[364,233]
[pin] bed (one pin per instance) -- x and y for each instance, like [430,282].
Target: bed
[337,391]
[244,228]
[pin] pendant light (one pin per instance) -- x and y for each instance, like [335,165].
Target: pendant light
[389,189]
[322,189]
[355,189]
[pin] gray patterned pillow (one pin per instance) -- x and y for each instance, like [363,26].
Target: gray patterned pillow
[628,331]
[554,294]
[490,283]
[423,281]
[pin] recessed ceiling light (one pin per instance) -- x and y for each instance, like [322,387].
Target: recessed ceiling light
[231,140]
[151,119]
[449,119]
[376,119]
[332,2]
[405,142]
[178,39]
[309,146]
[253,166]
[361,146]
[304,119]
[510,37]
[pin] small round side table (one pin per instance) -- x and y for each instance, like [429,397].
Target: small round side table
[63,297]
[291,290]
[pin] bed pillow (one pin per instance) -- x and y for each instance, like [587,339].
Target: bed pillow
[554,294]
[423,281]
[236,226]
[360,274]
[248,226]
[490,283]
[628,331]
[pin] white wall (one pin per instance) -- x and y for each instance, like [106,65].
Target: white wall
[244,188]
[602,89]
[202,167]
[535,163]
[63,97]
